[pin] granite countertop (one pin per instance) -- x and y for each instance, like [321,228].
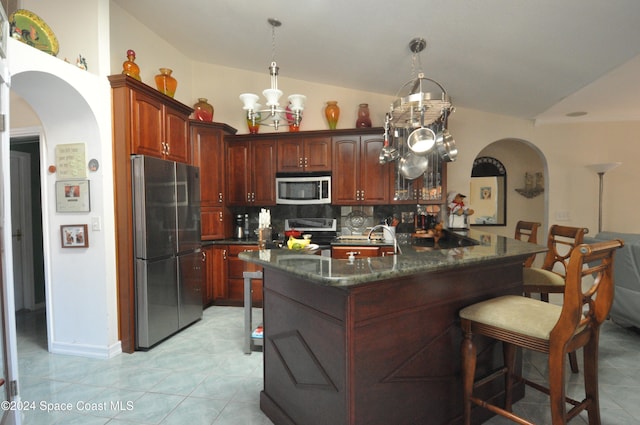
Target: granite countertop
[414,259]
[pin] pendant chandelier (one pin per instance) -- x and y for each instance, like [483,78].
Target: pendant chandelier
[273,114]
[423,105]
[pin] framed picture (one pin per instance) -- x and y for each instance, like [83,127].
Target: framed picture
[74,236]
[73,196]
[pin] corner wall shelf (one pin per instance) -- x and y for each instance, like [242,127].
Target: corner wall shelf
[530,193]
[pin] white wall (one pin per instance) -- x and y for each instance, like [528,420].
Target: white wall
[73,107]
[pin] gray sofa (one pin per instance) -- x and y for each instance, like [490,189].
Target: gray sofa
[625,310]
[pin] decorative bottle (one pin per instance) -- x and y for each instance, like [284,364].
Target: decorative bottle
[129,67]
[165,82]
[203,111]
[363,116]
[332,112]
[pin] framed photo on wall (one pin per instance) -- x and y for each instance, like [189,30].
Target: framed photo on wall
[73,196]
[74,236]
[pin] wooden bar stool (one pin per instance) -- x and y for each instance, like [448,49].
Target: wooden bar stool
[524,322]
[549,279]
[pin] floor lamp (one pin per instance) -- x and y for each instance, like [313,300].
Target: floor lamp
[601,169]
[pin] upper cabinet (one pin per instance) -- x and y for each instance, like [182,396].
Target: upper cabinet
[207,152]
[308,154]
[359,178]
[154,124]
[251,171]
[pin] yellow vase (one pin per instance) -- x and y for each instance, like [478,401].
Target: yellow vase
[332,112]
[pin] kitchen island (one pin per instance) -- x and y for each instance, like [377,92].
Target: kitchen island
[376,340]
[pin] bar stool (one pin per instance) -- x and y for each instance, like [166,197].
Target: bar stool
[527,231]
[524,322]
[548,279]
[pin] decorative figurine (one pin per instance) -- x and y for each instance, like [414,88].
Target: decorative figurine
[129,67]
[81,62]
[458,211]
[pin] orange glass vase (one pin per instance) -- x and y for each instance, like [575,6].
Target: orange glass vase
[165,82]
[332,112]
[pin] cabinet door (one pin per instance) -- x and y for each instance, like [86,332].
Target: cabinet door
[147,132]
[207,152]
[176,135]
[374,177]
[207,290]
[219,272]
[237,166]
[345,166]
[290,156]
[263,172]
[317,154]
[213,223]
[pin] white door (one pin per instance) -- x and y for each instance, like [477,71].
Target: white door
[21,230]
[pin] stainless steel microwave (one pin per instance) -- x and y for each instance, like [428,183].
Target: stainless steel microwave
[303,189]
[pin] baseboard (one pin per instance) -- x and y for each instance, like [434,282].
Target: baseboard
[91,351]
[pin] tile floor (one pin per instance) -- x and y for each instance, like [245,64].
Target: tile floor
[201,376]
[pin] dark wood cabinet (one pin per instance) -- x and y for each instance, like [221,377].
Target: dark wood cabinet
[216,274]
[235,278]
[159,129]
[359,178]
[251,172]
[207,152]
[308,154]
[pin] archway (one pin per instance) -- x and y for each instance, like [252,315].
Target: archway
[520,158]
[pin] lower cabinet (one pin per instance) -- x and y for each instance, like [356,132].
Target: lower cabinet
[225,281]
[236,279]
[216,274]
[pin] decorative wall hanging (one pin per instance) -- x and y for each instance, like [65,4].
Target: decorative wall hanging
[74,236]
[73,196]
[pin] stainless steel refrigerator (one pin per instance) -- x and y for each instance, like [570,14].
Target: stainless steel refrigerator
[169,260]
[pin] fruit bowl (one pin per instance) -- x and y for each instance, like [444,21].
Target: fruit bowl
[297,244]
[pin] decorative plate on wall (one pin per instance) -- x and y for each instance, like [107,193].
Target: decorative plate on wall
[29,28]
[357,222]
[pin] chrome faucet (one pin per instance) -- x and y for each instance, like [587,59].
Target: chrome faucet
[396,247]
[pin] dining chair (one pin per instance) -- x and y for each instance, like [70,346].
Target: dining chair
[532,324]
[527,231]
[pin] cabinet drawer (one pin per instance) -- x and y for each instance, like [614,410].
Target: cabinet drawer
[341,252]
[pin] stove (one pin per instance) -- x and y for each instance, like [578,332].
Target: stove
[322,230]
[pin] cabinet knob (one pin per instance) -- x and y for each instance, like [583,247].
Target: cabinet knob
[221,218]
[220,197]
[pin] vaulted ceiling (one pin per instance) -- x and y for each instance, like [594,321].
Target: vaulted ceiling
[536,59]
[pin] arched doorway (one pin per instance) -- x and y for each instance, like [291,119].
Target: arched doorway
[520,158]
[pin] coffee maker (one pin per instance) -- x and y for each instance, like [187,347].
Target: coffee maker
[238,230]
